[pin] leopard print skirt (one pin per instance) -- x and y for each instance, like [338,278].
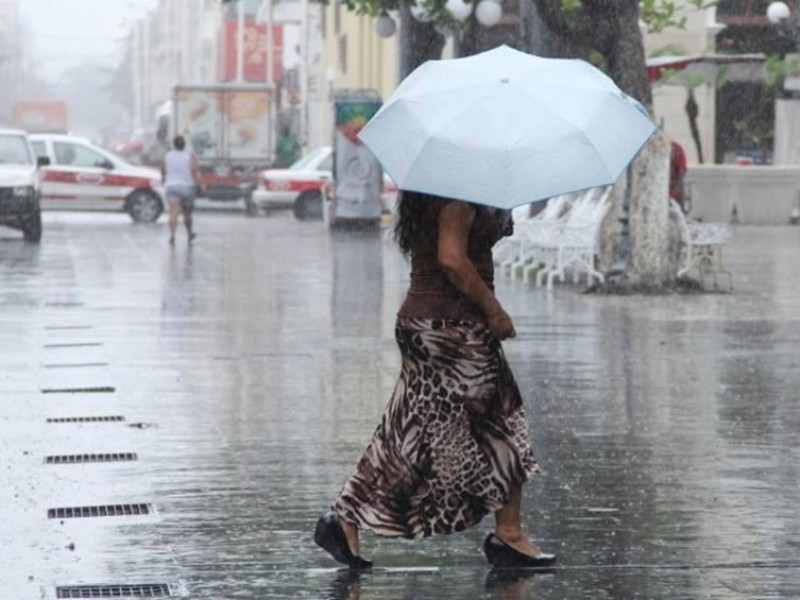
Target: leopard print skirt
[452,441]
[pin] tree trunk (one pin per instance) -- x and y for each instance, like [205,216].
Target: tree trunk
[649,266]
[626,58]
[646,250]
[419,42]
[510,31]
[543,42]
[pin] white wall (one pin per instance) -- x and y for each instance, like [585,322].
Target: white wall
[669,100]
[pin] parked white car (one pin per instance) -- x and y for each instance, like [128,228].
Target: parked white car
[298,186]
[302,185]
[19,184]
[84,176]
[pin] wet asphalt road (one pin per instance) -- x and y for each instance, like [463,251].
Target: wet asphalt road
[251,369]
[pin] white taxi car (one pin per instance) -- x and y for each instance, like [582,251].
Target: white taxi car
[303,185]
[84,176]
[297,185]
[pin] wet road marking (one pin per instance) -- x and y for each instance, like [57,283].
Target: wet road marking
[109,419]
[108,510]
[137,590]
[76,365]
[74,345]
[106,389]
[72,459]
[63,304]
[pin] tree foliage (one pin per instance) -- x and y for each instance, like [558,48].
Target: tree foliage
[658,15]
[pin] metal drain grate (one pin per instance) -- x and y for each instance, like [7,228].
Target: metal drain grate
[109,419]
[74,345]
[109,510]
[72,459]
[74,365]
[106,389]
[141,590]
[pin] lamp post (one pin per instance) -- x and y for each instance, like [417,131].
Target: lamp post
[786,18]
[780,14]
[487,12]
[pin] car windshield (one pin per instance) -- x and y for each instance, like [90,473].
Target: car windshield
[14,150]
[308,159]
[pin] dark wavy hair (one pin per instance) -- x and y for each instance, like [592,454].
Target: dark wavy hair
[411,207]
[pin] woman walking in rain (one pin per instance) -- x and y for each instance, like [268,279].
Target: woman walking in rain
[452,445]
[181,176]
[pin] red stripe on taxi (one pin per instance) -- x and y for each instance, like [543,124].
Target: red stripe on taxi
[100,179]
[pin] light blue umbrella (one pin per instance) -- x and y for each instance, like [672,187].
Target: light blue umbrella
[505,128]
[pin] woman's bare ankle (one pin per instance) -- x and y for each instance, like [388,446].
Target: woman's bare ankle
[510,535]
[516,538]
[351,533]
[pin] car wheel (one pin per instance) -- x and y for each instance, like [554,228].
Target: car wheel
[144,206]
[308,206]
[32,227]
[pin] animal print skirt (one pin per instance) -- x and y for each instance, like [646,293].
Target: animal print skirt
[452,441]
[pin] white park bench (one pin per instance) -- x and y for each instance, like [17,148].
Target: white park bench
[563,236]
[704,243]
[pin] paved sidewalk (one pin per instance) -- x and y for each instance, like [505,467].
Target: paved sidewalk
[251,370]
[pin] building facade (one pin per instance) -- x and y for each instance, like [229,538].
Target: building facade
[12,64]
[177,43]
[670,99]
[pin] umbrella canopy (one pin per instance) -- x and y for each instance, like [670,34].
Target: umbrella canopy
[505,128]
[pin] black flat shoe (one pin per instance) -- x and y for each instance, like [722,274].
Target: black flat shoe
[501,555]
[329,535]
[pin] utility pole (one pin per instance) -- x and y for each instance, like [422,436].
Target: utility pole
[270,45]
[240,41]
[303,72]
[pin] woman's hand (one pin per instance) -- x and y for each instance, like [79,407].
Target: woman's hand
[501,325]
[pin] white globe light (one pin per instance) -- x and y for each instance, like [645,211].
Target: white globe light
[778,12]
[488,13]
[421,14]
[385,26]
[459,9]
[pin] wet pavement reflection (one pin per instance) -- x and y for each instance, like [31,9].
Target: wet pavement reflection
[252,368]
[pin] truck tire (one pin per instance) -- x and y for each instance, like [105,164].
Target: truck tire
[308,206]
[144,206]
[32,228]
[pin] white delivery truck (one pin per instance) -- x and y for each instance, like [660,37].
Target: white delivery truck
[230,129]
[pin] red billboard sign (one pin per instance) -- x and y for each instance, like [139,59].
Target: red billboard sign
[255,51]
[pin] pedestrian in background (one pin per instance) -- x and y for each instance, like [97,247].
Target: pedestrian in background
[287,149]
[678,168]
[181,176]
[452,445]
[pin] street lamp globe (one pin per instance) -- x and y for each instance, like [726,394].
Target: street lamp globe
[385,26]
[778,12]
[459,9]
[488,13]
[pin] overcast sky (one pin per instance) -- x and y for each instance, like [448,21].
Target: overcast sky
[65,33]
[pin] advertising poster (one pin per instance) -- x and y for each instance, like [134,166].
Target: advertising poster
[247,114]
[358,175]
[255,53]
[199,119]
